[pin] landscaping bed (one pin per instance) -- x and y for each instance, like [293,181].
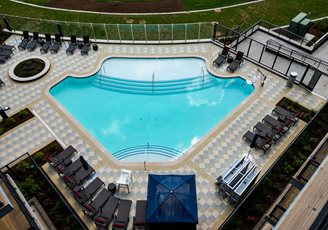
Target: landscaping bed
[15,120]
[32,183]
[29,68]
[269,189]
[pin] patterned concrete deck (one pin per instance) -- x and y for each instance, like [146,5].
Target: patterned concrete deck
[207,159]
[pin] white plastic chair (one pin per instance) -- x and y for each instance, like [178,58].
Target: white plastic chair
[125,179]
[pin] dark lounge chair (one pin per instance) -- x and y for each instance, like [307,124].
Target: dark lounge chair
[107,212]
[72,45]
[277,125]
[266,131]
[121,220]
[92,208]
[86,193]
[69,169]
[2,82]
[5,55]
[78,177]
[7,47]
[285,115]
[86,45]
[262,142]
[222,56]
[236,62]
[32,44]
[3,59]
[56,44]
[61,157]
[45,47]
[139,220]
[25,41]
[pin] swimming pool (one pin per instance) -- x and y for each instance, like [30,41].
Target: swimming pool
[150,109]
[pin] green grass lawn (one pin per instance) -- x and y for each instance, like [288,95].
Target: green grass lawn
[275,11]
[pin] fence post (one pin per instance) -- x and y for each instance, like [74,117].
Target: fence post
[214,31]
[199,30]
[94,35]
[132,33]
[119,34]
[172,31]
[249,47]
[159,33]
[106,32]
[185,32]
[145,32]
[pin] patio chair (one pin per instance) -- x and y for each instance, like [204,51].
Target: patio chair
[72,45]
[86,45]
[6,53]
[107,212]
[35,41]
[2,82]
[84,194]
[277,125]
[69,169]
[25,41]
[61,157]
[93,207]
[266,131]
[236,62]
[139,220]
[222,56]
[121,220]
[125,180]
[56,44]
[78,177]
[285,115]
[263,143]
[45,47]
[7,47]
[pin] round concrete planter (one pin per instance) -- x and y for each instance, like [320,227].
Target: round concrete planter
[46,68]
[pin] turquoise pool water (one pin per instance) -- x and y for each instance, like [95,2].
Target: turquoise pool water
[145,119]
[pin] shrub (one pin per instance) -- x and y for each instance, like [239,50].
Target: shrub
[38,157]
[22,114]
[10,121]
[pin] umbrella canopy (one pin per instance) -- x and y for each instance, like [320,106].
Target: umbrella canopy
[171,199]
[85,164]
[253,144]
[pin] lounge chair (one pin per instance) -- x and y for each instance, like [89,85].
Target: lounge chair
[7,47]
[25,41]
[78,177]
[6,53]
[139,220]
[262,142]
[236,62]
[32,44]
[121,220]
[285,115]
[61,157]
[92,208]
[3,59]
[222,56]
[266,131]
[69,169]
[107,212]
[277,125]
[2,82]
[86,193]
[56,45]
[86,45]
[45,47]
[72,45]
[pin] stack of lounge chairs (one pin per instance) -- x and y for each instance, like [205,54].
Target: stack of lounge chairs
[46,45]
[222,56]
[56,44]
[26,38]
[271,129]
[5,52]
[86,45]
[34,42]
[72,45]
[97,202]
[236,62]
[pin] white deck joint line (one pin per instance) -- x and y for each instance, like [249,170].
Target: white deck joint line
[164,13]
[50,130]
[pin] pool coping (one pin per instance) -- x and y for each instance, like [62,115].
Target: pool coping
[106,155]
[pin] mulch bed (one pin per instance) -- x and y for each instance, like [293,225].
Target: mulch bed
[154,6]
[15,120]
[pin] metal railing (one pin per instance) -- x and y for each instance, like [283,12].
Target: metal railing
[114,33]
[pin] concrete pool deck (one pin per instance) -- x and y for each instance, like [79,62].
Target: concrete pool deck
[208,159]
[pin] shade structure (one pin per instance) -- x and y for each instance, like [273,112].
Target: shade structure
[171,199]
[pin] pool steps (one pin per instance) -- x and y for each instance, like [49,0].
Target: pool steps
[147,149]
[156,87]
